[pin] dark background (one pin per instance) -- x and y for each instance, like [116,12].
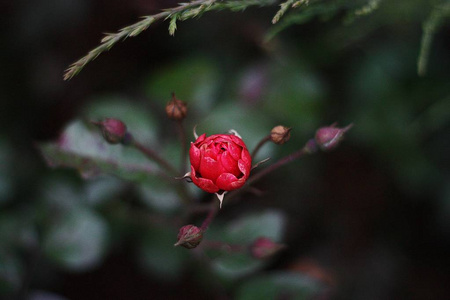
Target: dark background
[370,219]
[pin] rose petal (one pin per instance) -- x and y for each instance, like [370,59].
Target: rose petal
[235,151]
[210,168]
[205,184]
[221,138]
[225,182]
[246,158]
[229,164]
[195,156]
[244,168]
[237,141]
[200,139]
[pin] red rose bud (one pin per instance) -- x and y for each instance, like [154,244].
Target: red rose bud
[263,248]
[176,109]
[220,162]
[189,237]
[280,134]
[328,138]
[114,131]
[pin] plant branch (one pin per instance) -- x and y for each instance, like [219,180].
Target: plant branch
[278,164]
[211,215]
[260,144]
[155,157]
[182,12]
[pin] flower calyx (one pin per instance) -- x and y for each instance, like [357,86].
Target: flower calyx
[176,109]
[329,137]
[280,134]
[189,237]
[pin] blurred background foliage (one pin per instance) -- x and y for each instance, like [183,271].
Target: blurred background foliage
[369,220]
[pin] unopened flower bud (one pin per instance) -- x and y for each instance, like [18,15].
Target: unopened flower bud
[189,236]
[280,134]
[264,247]
[176,109]
[113,130]
[329,137]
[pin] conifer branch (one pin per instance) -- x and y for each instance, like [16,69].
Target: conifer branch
[180,13]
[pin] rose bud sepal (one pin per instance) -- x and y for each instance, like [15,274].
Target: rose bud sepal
[114,131]
[280,134]
[329,137]
[176,109]
[189,237]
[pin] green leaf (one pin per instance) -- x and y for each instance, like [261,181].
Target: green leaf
[6,171]
[44,295]
[434,22]
[279,285]
[84,149]
[243,232]
[102,189]
[140,121]
[17,230]
[158,254]
[76,239]
[11,273]
[160,195]
[296,97]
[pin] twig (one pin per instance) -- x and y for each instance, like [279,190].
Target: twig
[260,144]
[211,215]
[182,12]
[154,156]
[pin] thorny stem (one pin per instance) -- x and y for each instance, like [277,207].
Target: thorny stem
[260,144]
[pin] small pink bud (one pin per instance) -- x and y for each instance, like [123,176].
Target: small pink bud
[264,247]
[189,236]
[329,137]
[113,130]
[280,134]
[176,109]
